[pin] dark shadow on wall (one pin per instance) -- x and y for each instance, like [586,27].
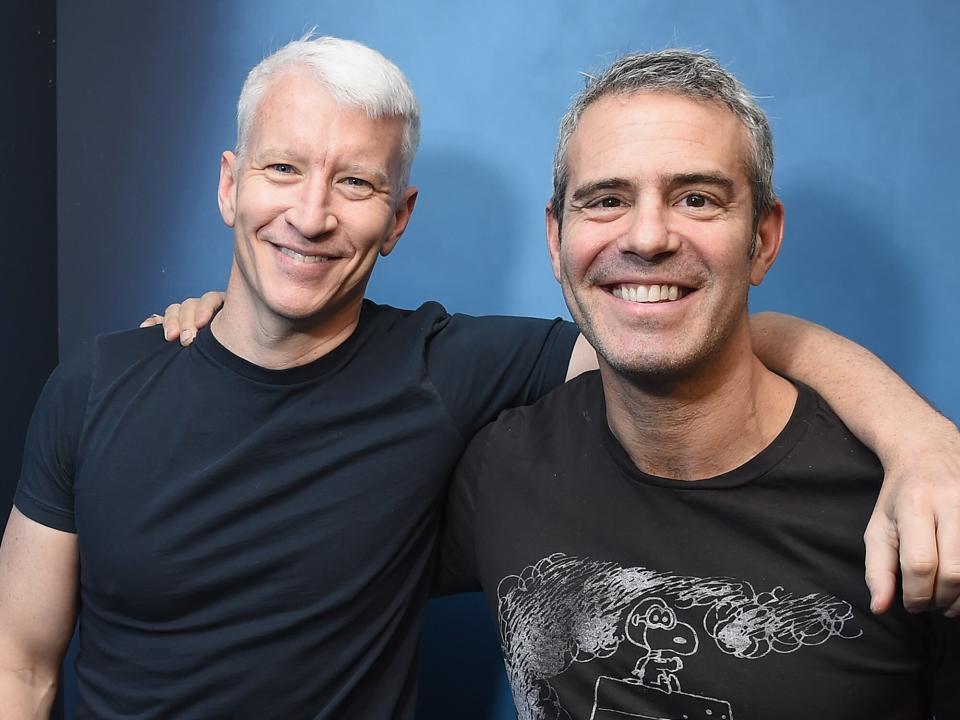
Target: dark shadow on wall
[28,146]
[841,267]
[134,81]
[461,244]
[147,96]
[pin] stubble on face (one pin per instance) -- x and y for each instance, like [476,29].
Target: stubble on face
[649,153]
[647,353]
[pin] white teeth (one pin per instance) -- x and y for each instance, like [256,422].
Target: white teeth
[647,293]
[301,258]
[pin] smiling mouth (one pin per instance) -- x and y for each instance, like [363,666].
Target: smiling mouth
[649,293]
[306,259]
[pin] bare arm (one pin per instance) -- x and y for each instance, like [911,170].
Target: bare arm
[916,523]
[38,604]
[582,359]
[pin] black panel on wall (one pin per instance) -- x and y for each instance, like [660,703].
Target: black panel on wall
[28,187]
[28,201]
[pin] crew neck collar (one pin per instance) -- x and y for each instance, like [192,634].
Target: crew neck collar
[756,467]
[208,344]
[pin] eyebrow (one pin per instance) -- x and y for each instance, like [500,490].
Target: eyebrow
[380,175]
[717,179]
[261,154]
[280,153]
[591,188]
[725,182]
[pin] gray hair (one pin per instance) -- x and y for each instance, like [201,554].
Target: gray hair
[682,72]
[355,75]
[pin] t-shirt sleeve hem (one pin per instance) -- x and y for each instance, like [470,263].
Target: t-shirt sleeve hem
[44,514]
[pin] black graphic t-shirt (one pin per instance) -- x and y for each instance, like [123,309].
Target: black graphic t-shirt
[258,543]
[740,597]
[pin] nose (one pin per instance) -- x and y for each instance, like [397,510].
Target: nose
[312,213]
[649,233]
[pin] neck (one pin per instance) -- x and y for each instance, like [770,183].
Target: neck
[699,426]
[250,330]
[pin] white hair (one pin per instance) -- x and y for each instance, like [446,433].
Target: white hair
[353,74]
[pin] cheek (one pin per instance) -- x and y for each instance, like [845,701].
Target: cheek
[586,244]
[367,229]
[576,255]
[258,206]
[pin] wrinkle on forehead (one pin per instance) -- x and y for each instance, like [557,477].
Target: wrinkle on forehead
[297,118]
[637,134]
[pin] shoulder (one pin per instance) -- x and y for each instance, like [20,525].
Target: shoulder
[385,324]
[434,325]
[569,410]
[386,316]
[90,357]
[131,345]
[828,442]
[112,355]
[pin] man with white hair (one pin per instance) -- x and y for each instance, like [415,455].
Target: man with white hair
[247,527]
[250,523]
[678,535]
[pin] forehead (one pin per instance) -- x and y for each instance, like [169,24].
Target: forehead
[653,133]
[297,114]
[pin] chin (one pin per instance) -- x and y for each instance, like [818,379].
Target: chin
[645,363]
[658,370]
[295,312]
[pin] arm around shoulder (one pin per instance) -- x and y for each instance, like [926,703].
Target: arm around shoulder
[916,524]
[39,569]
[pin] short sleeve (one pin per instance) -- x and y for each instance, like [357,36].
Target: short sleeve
[483,365]
[45,491]
[457,565]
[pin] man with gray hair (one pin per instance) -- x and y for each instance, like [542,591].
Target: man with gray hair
[248,526]
[250,523]
[679,534]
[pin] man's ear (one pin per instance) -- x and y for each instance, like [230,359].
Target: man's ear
[401,217]
[768,239]
[553,240]
[227,189]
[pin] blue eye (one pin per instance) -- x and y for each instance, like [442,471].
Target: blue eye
[282,168]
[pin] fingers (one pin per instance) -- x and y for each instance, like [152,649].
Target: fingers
[171,322]
[919,513]
[919,559]
[953,610]
[195,314]
[947,591]
[188,321]
[882,562]
[152,320]
[205,309]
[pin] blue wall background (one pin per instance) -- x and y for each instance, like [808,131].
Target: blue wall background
[864,104]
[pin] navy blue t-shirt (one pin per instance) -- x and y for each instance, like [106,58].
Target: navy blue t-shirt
[256,543]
